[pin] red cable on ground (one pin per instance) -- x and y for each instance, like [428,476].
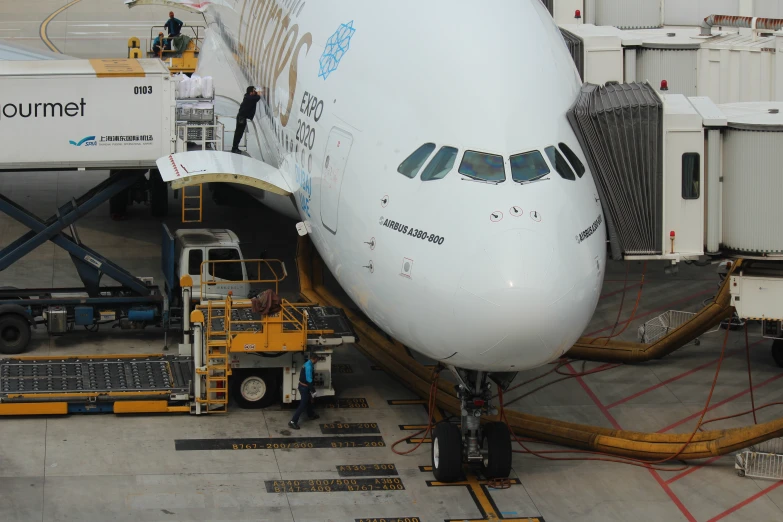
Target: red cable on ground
[633,312]
[777,403]
[604,457]
[750,375]
[431,405]
[622,299]
[556,369]
[628,460]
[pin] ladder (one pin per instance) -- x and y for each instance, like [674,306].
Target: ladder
[192,203]
[217,370]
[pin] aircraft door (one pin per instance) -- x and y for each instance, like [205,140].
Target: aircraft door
[337,149]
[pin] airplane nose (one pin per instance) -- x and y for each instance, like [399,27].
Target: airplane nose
[507,299]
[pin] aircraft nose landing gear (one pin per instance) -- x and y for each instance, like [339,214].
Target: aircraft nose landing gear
[487,447]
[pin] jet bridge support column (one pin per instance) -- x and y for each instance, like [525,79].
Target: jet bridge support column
[714,207]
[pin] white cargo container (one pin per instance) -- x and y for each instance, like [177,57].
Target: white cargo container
[106,113]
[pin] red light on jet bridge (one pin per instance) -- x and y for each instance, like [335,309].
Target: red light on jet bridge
[671,234]
[577,14]
[664,85]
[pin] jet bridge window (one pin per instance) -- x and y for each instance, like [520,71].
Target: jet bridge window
[573,159]
[226,271]
[440,165]
[483,167]
[690,175]
[561,165]
[528,166]
[412,164]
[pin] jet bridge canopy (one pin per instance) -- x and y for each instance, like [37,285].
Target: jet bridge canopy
[620,129]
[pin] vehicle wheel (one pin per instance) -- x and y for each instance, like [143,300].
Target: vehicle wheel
[446,452]
[14,334]
[777,352]
[496,448]
[254,389]
[159,194]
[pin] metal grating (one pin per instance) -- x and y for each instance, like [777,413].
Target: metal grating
[620,128]
[576,48]
[76,375]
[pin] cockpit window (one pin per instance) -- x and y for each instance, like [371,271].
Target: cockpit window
[440,165]
[412,164]
[572,159]
[483,167]
[561,165]
[528,166]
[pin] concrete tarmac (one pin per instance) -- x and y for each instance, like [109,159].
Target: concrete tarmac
[132,468]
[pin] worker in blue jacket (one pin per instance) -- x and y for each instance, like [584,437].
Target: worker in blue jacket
[173,25]
[306,392]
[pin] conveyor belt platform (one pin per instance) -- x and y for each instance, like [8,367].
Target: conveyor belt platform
[119,384]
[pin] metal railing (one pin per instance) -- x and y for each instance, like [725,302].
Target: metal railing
[195,34]
[275,267]
[207,135]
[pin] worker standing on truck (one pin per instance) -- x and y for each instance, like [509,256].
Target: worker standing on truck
[306,392]
[247,111]
[173,25]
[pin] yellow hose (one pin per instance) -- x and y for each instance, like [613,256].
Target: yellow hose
[608,350]
[416,377]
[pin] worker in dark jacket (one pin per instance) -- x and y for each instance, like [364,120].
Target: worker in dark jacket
[173,25]
[306,392]
[247,111]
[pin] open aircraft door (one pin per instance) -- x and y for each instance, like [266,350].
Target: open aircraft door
[337,149]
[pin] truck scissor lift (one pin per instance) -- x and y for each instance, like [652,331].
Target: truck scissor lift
[252,356]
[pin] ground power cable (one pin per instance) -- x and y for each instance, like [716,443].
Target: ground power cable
[626,460]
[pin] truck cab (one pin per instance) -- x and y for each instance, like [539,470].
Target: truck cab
[195,246]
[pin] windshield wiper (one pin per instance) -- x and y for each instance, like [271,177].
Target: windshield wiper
[476,178]
[531,180]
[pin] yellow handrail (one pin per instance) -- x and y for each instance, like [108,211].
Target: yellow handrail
[268,263]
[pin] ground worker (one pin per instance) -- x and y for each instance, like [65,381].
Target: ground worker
[173,25]
[247,111]
[306,392]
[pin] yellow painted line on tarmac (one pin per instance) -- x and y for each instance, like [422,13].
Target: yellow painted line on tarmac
[45,24]
[478,490]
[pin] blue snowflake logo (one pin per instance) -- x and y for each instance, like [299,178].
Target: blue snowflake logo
[336,46]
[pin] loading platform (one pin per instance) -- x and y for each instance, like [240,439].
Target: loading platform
[119,384]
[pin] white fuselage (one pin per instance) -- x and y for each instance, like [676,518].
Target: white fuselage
[487,276]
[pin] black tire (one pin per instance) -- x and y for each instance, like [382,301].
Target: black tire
[446,452]
[14,334]
[253,389]
[777,352]
[496,440]
[159,194]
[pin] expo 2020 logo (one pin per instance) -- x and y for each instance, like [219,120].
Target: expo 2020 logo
[336,47]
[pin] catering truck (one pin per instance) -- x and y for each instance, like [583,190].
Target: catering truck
[106,114]
[118,115]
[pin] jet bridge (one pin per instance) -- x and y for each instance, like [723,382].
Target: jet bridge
[684,179]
